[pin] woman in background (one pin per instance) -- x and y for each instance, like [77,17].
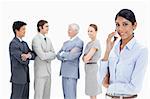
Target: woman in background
[92,54]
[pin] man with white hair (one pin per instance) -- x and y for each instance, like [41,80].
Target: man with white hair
[69,55]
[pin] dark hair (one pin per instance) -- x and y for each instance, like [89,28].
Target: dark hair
[17,25]
[127,14]
[41,23]
[94,26]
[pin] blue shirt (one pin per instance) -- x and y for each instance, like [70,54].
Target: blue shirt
[127,68]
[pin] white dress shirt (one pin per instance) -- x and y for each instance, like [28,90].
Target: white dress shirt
[126,68]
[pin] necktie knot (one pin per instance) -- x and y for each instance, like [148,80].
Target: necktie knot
[45,39]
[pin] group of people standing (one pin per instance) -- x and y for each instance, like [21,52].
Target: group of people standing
[121,69]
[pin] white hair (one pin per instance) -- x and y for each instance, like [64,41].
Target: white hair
[75,27]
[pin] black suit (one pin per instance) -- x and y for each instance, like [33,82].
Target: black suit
[19,69]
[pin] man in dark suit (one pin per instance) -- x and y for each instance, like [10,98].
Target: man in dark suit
[20,54]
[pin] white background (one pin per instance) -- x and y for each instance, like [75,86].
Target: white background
[60,14]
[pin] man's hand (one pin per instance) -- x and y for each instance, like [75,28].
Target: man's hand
[24,57]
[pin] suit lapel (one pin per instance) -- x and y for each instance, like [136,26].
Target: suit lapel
[70,44]
[44,44]
[21,46]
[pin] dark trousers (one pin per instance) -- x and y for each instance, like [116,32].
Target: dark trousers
[20,91]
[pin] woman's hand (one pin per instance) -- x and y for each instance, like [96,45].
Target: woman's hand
[109,42]
[86,58]
[106,81]
[109,45]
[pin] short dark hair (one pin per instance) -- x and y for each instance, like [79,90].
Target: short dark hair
[127,14]
[41,23]
[17,25]
[94,26]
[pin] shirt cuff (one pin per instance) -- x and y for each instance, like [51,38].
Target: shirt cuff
[103,63]
[30,56]
[102,71]
[61,53]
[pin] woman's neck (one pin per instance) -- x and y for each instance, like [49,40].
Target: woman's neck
[125,41]
[93,39]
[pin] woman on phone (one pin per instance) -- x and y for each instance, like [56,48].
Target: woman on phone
[124,63]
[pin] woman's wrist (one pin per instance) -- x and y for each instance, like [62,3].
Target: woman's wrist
[106,55]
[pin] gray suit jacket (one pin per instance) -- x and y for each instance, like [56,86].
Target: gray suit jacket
[19,68]
[70,58]
[45,53]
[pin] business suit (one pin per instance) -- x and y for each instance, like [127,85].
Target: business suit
[42,66]
[70,66]
[19,69]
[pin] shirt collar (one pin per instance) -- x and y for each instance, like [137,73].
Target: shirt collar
[19,39]
[73,38]
[131,43]
[43,36]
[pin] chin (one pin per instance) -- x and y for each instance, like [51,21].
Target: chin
[123,38]
[90,37]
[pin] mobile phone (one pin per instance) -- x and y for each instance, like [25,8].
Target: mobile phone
[115,36]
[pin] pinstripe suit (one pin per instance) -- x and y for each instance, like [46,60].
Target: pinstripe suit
[19,69]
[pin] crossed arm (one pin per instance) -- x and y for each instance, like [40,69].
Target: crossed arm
[70,55]
[86,58]
[50,55]
[18,54]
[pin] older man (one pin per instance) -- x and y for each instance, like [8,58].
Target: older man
[69,55]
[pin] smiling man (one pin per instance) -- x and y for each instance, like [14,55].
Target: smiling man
[42,46]
[20,54]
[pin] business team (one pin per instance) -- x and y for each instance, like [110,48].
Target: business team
[121,69]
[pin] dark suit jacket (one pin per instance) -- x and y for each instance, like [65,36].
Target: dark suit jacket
[19,68]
